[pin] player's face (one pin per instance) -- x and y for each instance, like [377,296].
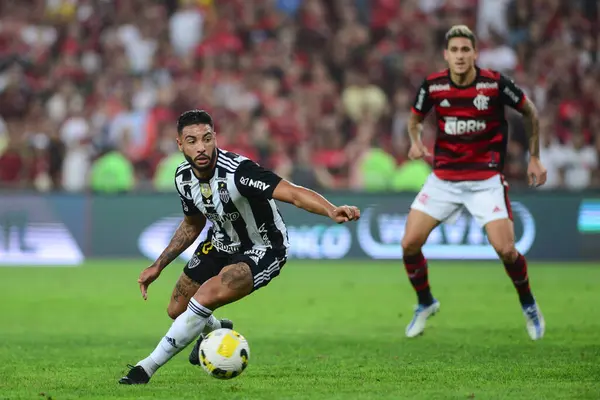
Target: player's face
[460,55]
[198,145]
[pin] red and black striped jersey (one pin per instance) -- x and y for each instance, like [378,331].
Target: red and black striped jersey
[472,131]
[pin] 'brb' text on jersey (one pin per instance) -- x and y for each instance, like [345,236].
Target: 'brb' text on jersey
[237,200]
[472,131]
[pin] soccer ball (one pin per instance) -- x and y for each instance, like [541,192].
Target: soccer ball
[224,353]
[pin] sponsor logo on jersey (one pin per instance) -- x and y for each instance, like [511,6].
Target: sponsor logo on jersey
[221,218]
[259,253]
[511,94]
[226,248]
[486,85]
[439,88]
[454,126]
[420,99]
[254,183]
[265,236]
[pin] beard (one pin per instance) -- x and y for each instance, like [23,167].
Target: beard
[202,168]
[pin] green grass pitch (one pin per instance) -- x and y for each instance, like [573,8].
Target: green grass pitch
[321,330]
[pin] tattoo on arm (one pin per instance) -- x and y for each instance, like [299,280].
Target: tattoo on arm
[183,237]
[532,125]
[415,127]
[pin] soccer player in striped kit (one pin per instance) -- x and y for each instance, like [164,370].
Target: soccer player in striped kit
[247,244]
[468,160]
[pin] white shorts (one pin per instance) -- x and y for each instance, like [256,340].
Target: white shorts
[485,200]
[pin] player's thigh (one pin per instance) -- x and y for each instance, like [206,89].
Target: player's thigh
[437,201]
[418,228]
[231,284]
[489,204]
[491,209]
[501,235]
[205,264]
[264,265]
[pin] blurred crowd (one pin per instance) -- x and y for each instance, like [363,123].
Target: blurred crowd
[318,90]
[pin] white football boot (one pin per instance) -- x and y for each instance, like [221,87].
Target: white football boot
[536,325]
[417,325]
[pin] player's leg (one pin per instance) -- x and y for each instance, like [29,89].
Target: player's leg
[205,263]
[491,208]
[183,291]
[502,238]
[437,201]
[234,282]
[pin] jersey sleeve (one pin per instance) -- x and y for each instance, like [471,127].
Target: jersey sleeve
[511,94]
[185,195]
[423,103]
[252,180]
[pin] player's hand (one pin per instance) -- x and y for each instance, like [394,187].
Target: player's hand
[536,173]
[418,151]
[148,276]
[343,214]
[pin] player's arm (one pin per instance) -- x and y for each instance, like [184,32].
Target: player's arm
[415,127]
[188,231]
[514,97]
[532,126]
[421,106]
[184,236]
[253,181]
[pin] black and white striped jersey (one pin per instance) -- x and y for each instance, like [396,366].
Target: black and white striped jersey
[237,200]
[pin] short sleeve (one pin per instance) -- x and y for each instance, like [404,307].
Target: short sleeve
[252,180]
[422,103]
[184,189]
[511,94]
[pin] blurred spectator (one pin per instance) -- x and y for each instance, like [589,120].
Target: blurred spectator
[315,89]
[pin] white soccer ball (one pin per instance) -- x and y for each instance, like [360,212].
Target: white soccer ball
[224,353]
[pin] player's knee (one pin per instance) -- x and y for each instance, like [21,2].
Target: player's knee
[507,252]
[411,245]
[173,311]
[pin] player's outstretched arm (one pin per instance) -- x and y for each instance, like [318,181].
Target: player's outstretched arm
[536,172]
[313,202]
[187,232]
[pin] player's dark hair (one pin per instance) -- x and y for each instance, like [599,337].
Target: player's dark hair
[194,117]
[460,31]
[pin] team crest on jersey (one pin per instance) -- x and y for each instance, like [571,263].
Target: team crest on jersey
[481,102]
[205,190]
[224,195]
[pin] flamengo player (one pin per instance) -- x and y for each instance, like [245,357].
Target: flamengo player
[468,162]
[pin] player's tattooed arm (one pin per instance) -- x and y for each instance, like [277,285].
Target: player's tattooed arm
[415,126]
[532,125]
[187,232]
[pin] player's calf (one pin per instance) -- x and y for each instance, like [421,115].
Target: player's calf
[418,227]
[183,291]
[501,237]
